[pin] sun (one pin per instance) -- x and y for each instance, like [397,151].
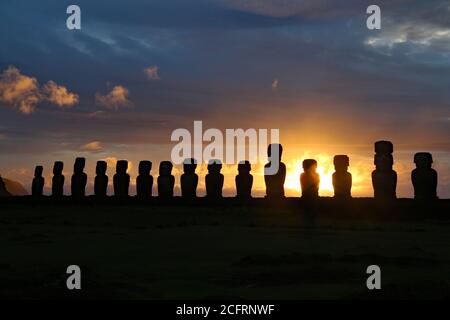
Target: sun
[325,169]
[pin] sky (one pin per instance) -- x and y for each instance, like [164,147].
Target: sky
[137,70]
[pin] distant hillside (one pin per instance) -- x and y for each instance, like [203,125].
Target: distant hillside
[15,188]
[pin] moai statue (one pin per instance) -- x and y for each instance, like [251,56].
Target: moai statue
[424,178]
[384,178]
[189,179]
[310,179]
[342,179]
[274,178]
[58,179]
[79,178]
[144,181]
[101,179]
[121,179]
[37,187]
[214,180]
[166,181]
[3,191]
[244,180]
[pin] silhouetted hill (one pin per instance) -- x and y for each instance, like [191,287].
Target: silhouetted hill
[15,188]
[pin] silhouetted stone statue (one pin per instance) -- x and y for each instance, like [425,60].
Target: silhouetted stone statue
[101,179]
[384,147]
[310,179]
[121,179]
[214,180]
[275,182]
[189,179]
[79,178]
[424,178]
[342,179]
[244,180]
[144,181]
[3,191]
[384,178]
[166,181]
[58,179]
[37,187]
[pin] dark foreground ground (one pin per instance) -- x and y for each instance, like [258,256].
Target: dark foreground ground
[289,250]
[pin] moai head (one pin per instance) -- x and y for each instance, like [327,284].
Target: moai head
[122,166]
[101,167]
[309,165]
[165,168]
[145,167]
[58,168]
[214,166]
[341,163]
[38,171]
[273,148]
[244,167]
[423,160]
[78,167]
[384,162]
[384,147]
[189,165]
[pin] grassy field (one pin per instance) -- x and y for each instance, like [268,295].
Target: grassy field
[132,251]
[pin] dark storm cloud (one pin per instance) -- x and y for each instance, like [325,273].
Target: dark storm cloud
[224,55]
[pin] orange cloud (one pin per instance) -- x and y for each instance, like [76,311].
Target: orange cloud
[152,73]
[23,92]
[116,98]
[19,90]
[94,146]
[59,95]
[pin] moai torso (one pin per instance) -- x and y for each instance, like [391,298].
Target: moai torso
[310,179]
[166,181]
[37,187]
[342,184]
[244,180]
[58,179]
[384,178]
[384,184]
[342,179]
[121,179]
[144,181]
[189,179]
[79,178]
[424,178]
[274,182]
[101,179]
[214,180]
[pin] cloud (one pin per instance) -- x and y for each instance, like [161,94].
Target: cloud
[23,92]
[94,146]
[421,36]
[152,73]
[290,8]
[116,98]
[275,84]
[19,90]
[59,95]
